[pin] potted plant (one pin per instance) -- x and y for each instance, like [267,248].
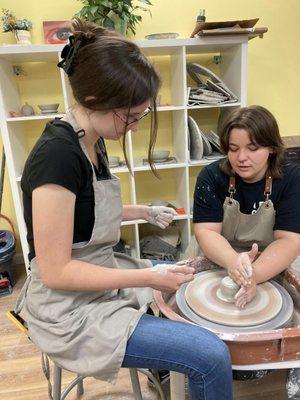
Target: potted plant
[118,15]
[20,27]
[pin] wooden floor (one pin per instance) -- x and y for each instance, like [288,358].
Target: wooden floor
[21,376]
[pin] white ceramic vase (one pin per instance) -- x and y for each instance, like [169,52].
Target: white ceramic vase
[22,37]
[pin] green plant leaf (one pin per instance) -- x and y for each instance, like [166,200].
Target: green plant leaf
[104,3]
[107,12]
[146,2]
[93,10]
[109,23]
[143,8]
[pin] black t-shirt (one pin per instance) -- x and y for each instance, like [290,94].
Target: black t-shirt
[57,158]
[212,188]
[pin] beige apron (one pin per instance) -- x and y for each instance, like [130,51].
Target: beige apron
[87,332]
[241,230]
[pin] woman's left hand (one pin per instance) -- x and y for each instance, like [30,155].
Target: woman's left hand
[160,216]
[241,270]
[245,294]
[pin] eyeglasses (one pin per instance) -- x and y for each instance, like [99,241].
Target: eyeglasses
[134,120]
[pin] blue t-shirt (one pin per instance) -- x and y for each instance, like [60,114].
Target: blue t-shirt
[212,188]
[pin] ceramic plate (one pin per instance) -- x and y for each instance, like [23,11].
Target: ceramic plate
[161,159]
[214,139]
[163,35]
[168,160]
[215,156]
[196,142]
[207,150]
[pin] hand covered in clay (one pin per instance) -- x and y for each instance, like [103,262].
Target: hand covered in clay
[161,216]
[169,277]
[241,271]
[245,294]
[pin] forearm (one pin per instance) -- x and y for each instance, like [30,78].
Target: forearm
[84,277]
[216,248]
[131,212]
[81,276]
[275,259]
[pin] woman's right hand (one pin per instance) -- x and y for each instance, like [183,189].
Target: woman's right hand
[241,269]
[245,294]
[169,277]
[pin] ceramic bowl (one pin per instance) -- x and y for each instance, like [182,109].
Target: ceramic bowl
[48,108]
[160,155]
[228,289]
[113,161]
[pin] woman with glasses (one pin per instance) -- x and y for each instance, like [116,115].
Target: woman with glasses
[86,305]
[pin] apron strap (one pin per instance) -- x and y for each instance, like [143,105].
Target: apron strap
[267,191]
[268,187]
[231,188]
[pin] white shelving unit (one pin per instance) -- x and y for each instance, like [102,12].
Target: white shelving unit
[141,188]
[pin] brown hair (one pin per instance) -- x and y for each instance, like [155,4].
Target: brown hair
[263,131]
[110,72]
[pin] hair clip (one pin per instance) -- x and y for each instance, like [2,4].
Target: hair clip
[68,55]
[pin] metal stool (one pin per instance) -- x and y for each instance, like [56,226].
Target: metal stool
[55,392]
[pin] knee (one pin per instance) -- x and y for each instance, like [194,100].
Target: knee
[211,353]
[220,355]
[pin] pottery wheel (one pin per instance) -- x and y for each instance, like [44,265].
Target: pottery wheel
[201,296]
[271,308]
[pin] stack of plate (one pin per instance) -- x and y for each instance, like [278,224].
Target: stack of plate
[202,145]
[214,140]
[211,89]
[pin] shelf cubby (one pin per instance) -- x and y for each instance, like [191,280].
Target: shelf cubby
[177,179]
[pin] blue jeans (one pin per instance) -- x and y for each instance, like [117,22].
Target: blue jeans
[162,344]
[155,262]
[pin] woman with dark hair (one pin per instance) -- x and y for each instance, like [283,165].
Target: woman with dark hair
[247,207]
[86,305]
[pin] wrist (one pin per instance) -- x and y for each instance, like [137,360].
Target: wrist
[145,212]
[230,260]
[253,277]
[146,277]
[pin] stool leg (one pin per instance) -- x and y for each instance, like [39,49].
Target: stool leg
[153,376]
[56,383]
[135,384]
[80,389]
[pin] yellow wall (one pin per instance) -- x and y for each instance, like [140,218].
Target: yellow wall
[274,62]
